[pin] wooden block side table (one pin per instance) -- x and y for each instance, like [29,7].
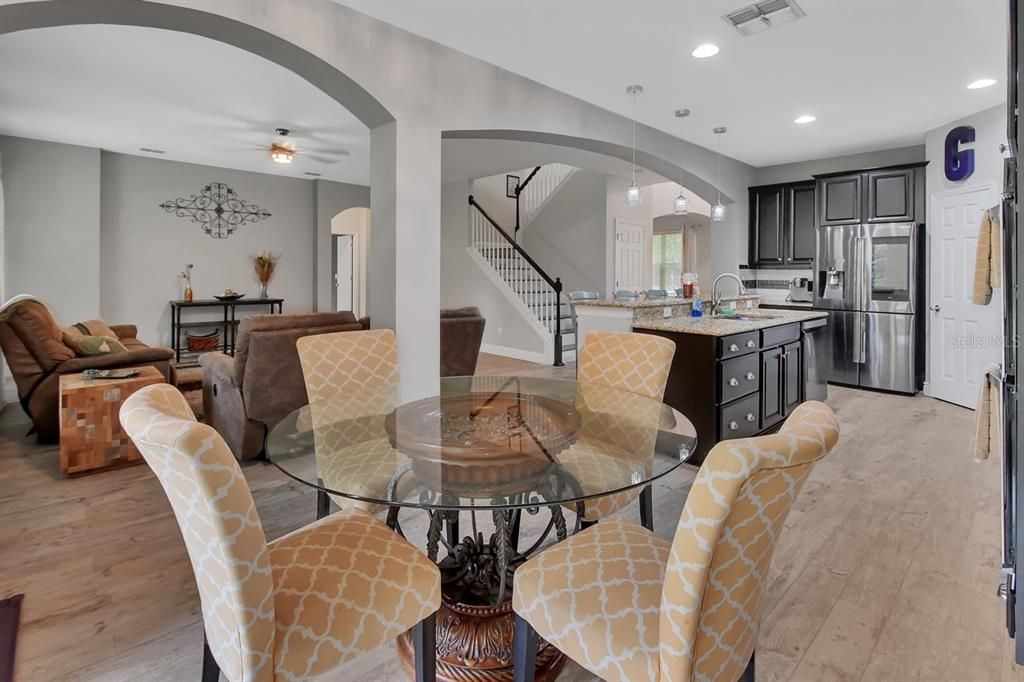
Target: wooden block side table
[91,438]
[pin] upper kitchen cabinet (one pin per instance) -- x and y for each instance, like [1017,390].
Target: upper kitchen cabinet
[782,225]
[883,195]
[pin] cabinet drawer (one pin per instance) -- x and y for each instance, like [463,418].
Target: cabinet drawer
[738,377]
[737,344]
[739,419]
[776,336]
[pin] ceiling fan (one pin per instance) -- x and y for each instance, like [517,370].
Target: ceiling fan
[283,150]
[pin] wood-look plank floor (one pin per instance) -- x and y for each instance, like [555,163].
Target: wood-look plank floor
[886,569]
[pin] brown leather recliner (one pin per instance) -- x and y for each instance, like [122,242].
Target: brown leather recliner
[462,332]
[33,346]
[247,395]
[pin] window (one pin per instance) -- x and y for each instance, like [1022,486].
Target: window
[668,260]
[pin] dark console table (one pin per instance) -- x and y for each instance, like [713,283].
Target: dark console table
[228,323]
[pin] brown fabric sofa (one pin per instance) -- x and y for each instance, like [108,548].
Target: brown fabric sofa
[246,395]
[33,346]
[462,332]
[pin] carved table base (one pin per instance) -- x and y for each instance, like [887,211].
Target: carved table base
[474,644]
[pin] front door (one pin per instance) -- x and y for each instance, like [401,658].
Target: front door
[962,338]
[629,256]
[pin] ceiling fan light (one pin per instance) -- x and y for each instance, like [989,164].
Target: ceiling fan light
[279,154]
[717,212]
[633,194]
[680,206]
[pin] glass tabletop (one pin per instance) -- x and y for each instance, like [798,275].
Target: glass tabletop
[483,442]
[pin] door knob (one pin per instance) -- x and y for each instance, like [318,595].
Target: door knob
[935,308]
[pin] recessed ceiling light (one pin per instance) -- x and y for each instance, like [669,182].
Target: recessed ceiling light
[806,118]
[981,83]
[706,50]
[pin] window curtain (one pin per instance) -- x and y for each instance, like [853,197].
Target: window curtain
[689,249]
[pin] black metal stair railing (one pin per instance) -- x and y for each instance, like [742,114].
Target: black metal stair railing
[541,293]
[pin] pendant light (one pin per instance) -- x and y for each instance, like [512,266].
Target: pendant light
[718,210]
[680,205]
[633,193]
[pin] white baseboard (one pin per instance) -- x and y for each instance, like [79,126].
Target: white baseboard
[516,353]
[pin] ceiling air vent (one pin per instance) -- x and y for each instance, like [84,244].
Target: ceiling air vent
[761,16]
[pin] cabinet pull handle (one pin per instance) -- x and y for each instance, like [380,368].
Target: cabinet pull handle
[733,425]
[750,343]
[733,348]
[734,381]
[751,376]
[750,416]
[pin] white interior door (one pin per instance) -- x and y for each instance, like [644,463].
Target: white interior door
[963,337]
[344,278]
[629,256]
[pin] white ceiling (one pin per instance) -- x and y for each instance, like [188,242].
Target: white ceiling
[877,73]
[202,101]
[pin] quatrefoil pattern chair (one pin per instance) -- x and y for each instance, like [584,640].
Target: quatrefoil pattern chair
[351,379]
[294,608]
[627,605]
[634,363]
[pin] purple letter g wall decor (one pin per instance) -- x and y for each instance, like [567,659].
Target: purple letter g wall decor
[959,162]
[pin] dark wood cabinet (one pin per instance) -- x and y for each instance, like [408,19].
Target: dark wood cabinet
[734,386]
[800,223]
[839,200]
[766,221]
[880,195]
[771,387]
[782,225]
[890,195]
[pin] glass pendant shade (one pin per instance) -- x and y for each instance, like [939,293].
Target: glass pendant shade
[717,212]
[680,205]
[633,194]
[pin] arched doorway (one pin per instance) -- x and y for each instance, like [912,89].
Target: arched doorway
[350,249]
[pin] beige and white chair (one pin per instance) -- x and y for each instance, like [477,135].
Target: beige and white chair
[351,380]
[635,363]
[293,608]
[628,605]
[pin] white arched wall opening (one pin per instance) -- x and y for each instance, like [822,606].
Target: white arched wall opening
[408,90]
[355,223]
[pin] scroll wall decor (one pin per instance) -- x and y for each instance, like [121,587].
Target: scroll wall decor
[217,209]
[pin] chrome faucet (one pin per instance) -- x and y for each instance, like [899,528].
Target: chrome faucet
[716,298]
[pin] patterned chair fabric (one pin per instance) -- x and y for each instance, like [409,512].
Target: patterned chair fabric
[351,379]
[302,604]
[637,363]
[627,605]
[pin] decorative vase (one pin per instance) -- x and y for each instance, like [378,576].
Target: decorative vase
[263,290]
[188,294]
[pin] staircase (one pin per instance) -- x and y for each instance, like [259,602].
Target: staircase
[536,294]
[541,183]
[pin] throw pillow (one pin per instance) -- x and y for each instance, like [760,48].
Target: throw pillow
[85,346]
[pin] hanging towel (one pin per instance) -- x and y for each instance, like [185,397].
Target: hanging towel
[987,436]
[988,272]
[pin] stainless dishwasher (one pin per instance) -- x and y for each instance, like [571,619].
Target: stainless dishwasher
[815,337]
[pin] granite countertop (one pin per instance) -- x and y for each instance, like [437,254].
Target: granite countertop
[710,326]
[652,302]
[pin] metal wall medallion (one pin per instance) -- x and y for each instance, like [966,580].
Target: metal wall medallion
[217,209]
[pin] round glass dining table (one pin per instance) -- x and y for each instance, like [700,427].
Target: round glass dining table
[500,446]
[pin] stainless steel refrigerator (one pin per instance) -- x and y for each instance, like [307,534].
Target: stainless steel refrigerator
[869,279]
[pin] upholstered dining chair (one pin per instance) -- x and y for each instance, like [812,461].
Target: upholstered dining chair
[335,366]
[293,608]
[633,363]
[627,605]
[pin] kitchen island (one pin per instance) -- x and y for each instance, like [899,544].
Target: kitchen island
[739,376]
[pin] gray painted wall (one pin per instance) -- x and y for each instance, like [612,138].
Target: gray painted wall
[568,238]
[145,247]
[464,283]
[792,172]
[52,225]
